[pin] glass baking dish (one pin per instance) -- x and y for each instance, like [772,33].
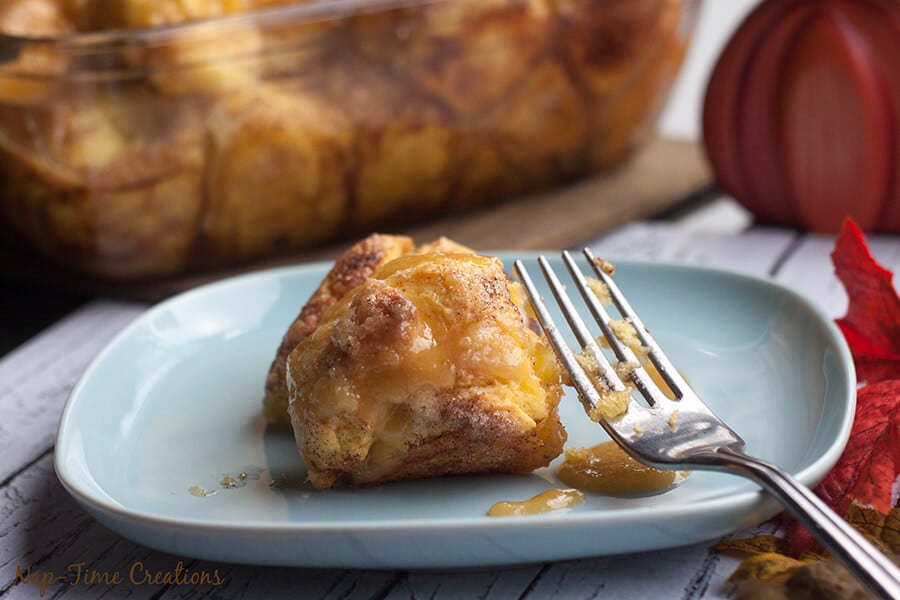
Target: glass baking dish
[146,147]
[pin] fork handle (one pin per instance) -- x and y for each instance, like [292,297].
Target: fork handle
[879,574]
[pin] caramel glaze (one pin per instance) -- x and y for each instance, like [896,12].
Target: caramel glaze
[607,469]
[547,501]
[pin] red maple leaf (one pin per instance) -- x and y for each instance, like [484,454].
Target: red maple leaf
[875,484]
[872,323]
[867,470]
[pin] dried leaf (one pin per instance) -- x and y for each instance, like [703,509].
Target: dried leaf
[872,323]
[870,523]
[760,590]
[766,567]
[867,520]
[891,533]
[758,544]
[826,580]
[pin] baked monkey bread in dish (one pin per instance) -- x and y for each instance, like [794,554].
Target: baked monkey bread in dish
[428,367]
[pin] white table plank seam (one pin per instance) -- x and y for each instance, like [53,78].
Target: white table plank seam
[533,582]
[378,594]
[25,467]
[699,584]
[785,256]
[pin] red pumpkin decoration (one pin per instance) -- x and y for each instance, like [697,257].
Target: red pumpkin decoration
[801,120]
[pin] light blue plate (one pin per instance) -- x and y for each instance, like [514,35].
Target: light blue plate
[174,402]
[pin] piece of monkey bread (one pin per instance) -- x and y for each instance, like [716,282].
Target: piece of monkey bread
[429,367]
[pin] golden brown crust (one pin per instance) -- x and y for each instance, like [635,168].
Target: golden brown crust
[428,368]
[350,270]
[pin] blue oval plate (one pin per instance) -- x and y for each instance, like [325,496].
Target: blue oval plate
[171,408]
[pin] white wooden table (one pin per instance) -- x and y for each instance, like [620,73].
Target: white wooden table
[43,529]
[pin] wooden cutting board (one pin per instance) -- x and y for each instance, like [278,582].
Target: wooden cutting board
[664,173]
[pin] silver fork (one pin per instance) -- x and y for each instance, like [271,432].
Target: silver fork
[683,433]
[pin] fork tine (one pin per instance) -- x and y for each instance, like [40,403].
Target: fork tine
[641,379]
[569,312]
[663,365]
[580,379]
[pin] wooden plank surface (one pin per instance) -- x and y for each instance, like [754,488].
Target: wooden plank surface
[665,172]
[659,176]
